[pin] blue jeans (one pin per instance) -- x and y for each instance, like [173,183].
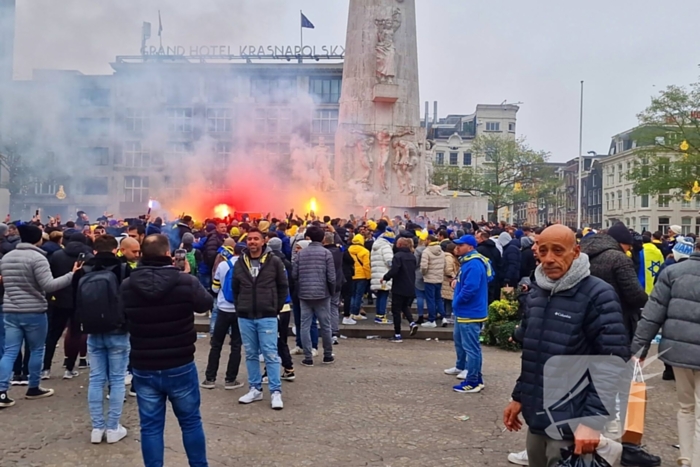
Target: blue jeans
[181,386]
[31,327]
[109,357]
[205,280]
[420,302]
[2,332]
[296,309]
[382,298]
[434,299]
[466,337]
[359,287]
[260,337]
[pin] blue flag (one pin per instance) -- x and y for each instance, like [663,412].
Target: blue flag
[305,23]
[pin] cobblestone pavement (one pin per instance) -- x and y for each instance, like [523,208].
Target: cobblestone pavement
[380,405]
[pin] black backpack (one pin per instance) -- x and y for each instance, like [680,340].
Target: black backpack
[97,306]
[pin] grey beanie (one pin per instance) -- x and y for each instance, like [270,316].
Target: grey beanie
[3,230]
[187,238]
[275,244]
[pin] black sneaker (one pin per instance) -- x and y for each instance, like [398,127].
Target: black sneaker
[668,374]
[5,401]
[83,364]
[65,362]
[636,456]
[414,329]
[328,360]
[19,380]
[288,375]
[308,362]
[38,393]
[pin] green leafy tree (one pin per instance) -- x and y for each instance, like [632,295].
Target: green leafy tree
[668,145]
[506,171]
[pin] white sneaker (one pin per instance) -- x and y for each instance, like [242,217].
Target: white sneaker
[297,351]
[117,435]
[613,426]
[46,374]
[349,321]
[70,374]
[358,317]
[518,458]
[253,396]
[429,324]
[276,402]
[462,375]
[261,358]
[96,436]
[127,379]
[454,371]
[314,353]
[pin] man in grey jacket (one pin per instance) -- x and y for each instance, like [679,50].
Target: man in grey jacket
[674,304]
[27,278]
[314,275]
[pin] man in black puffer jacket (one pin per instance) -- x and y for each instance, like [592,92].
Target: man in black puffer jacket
[511,259]
[62,307]
[160,301]
[488,248]
[570,313]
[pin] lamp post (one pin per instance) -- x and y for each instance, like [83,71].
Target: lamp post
[580,159]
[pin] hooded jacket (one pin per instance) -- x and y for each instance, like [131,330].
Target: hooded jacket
[9,244]
[488,249]
[61,263]
[314,273]
[420,284]
[470,301]
[159,302]
[610,263]
[360,255]
[27,278]
[402,273]
[380,258]
[50,248]
[262,296]
[338,257]
[451,272]
[432,264]
[511,261]
[527,257]
[674,304]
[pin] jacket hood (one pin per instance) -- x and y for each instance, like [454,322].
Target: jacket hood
[504,238]
[596,244]
[153,282]
[488,243]
[514,242]
[433,250]
[358,240]
[73,249]
[105,260]
[526,242]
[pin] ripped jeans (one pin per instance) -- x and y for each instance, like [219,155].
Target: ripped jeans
[260,337]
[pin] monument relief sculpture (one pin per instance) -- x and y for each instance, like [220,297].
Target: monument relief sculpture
[325,181]
[384,142]
[386,50]
[363,154]
[429,167]
[405,160]
[437,189]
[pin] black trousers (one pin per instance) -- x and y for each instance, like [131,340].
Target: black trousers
[346,293]
[21,365]
[224,322]
[401,305]
[282,347]
[58,320]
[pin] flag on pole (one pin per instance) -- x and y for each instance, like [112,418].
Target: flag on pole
[160,25]
[305,23]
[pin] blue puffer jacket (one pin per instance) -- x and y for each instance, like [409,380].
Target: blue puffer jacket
[511,262]
[584,320]
[470,301]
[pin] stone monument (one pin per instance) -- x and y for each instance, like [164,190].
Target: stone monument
[382,157]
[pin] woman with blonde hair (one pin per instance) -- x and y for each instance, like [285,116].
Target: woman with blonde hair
[451,271]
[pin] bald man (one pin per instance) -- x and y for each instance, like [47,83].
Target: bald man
[130,251]
[570,313]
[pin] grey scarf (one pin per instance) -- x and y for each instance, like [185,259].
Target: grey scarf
[580,269]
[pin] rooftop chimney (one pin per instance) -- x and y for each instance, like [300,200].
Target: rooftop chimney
[435,115]
[427,112]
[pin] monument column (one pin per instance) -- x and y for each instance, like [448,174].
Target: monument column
[379,142]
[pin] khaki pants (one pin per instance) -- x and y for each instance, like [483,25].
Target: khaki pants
[543,451]
[688,390]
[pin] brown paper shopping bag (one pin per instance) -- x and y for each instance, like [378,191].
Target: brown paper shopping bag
[636,407]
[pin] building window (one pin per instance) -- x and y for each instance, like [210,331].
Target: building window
[633,225]
[220,120]
[511,127]
[179,120]
[177,152]
[326,91]
[664,222]
[644,224]
[45,188]
[594,181]
[493,126]
[137,120]
[325,122]
[619,173]
[274,89]
[98,156]
[697,226]
[96,186]
[664,201]
[454,158]
[94,97]
[135,155]
[619,199]
[223,154]
[607,201]
[136,189]
[286,118]
[627,195]
[611,175]
[440,158]
[645,201]
[686,223]
[467,158]
[685,204]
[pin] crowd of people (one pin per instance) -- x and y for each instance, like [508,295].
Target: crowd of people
[123,294]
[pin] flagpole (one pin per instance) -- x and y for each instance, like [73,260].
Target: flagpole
[301,33]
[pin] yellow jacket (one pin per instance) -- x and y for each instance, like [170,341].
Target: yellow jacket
[360,255]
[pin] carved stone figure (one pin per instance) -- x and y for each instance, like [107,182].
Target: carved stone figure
[386,50]
[325,181]
[429,166]
[384,142]
[363,154]
[405,160]
[436,190]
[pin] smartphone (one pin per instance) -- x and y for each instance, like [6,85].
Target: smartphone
[180,258]
[81,258]
[36,213]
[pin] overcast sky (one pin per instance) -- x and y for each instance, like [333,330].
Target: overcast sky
[469,52]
